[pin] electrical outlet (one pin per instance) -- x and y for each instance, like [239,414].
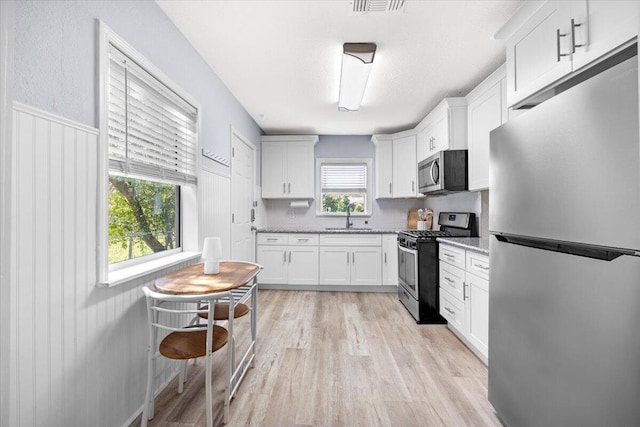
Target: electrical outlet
[292,214]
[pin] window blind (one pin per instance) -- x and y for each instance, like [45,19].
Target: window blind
[343,177]
[152,130]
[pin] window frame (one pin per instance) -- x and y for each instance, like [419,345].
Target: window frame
[118,273]
[336,161]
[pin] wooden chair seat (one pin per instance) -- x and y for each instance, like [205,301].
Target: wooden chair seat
[221,311]
[189,345]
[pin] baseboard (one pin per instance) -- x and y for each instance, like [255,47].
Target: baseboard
[330,288]
[471,347]
[138,412]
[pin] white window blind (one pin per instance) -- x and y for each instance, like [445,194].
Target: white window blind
[152,130]
[343,177]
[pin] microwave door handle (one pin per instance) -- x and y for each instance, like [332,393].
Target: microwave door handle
[434,178]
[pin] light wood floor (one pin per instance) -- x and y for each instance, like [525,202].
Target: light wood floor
[341,359]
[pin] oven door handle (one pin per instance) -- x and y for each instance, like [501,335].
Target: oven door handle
[411,251]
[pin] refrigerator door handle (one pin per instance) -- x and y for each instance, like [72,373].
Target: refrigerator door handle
[603,253]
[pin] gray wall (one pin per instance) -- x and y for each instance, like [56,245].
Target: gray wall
[56,71]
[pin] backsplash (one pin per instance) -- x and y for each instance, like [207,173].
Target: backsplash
[456,202]
[387,213]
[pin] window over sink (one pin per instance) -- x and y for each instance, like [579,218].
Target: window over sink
[343,184]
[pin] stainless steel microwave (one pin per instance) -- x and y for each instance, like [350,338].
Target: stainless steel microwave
[444,172]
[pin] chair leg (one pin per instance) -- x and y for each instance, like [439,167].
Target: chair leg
[227,391]
[208,393]
[183,375]
[149,409]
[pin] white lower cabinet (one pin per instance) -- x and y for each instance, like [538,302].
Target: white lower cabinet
[350,265]
[351,259]
[464,296]
[274,262]
[390,260]
[340,259]
[293,264]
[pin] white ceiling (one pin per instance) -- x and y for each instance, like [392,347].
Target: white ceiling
[281,59]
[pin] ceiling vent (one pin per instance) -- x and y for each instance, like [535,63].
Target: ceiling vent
[359,7]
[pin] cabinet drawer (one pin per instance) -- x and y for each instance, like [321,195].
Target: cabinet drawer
[452,255]
[272,239]
[452,310]
[452,279]
[304,239]
[350,240]
[478,264]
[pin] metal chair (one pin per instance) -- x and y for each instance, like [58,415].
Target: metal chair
[188,342]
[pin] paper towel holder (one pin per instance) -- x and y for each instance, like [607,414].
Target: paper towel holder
[299,204]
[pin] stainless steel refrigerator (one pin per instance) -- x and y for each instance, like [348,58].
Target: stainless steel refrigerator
[564,300]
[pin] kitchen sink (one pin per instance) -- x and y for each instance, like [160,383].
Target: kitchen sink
[346,229]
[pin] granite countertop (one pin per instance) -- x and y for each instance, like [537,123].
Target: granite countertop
[476,244]
[354,230]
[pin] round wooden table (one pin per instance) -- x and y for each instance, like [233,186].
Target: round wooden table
[191,280]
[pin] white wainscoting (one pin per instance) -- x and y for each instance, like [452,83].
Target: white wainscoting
[215,209]
[78,352]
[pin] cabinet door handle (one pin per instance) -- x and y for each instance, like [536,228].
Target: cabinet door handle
[573,36]
[353,257]
[289,187]
[284,253]
[558,35]
[284,187]
[289,256]
[347,257]
[385,257]
[390,188]
[413,186]
[464,291]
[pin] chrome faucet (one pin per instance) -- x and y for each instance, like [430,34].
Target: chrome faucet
[349,223]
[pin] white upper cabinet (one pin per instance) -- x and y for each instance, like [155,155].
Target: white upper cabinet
[396,165]
[561,37]
[405,167]
[607,24]
[384,166]
[487,110]
[288,167]
[444,128]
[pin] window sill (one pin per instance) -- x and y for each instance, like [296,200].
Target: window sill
[134,272]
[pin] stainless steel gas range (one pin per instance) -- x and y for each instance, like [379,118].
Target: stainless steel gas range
[418,264]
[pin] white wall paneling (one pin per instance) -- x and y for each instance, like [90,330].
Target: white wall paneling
[215,209]
[7,23]
[78,352]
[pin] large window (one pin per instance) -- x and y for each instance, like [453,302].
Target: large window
[343,184]
[152,141]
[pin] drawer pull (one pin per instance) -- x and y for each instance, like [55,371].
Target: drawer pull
[451,312]
[451,282]
[482,267]
[272,239]
[449,255]
[303,240]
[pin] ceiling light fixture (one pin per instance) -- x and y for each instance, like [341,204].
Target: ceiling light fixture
[357,60]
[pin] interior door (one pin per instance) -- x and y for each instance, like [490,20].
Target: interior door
[242,189]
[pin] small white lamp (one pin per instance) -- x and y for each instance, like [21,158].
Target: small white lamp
[211,254]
